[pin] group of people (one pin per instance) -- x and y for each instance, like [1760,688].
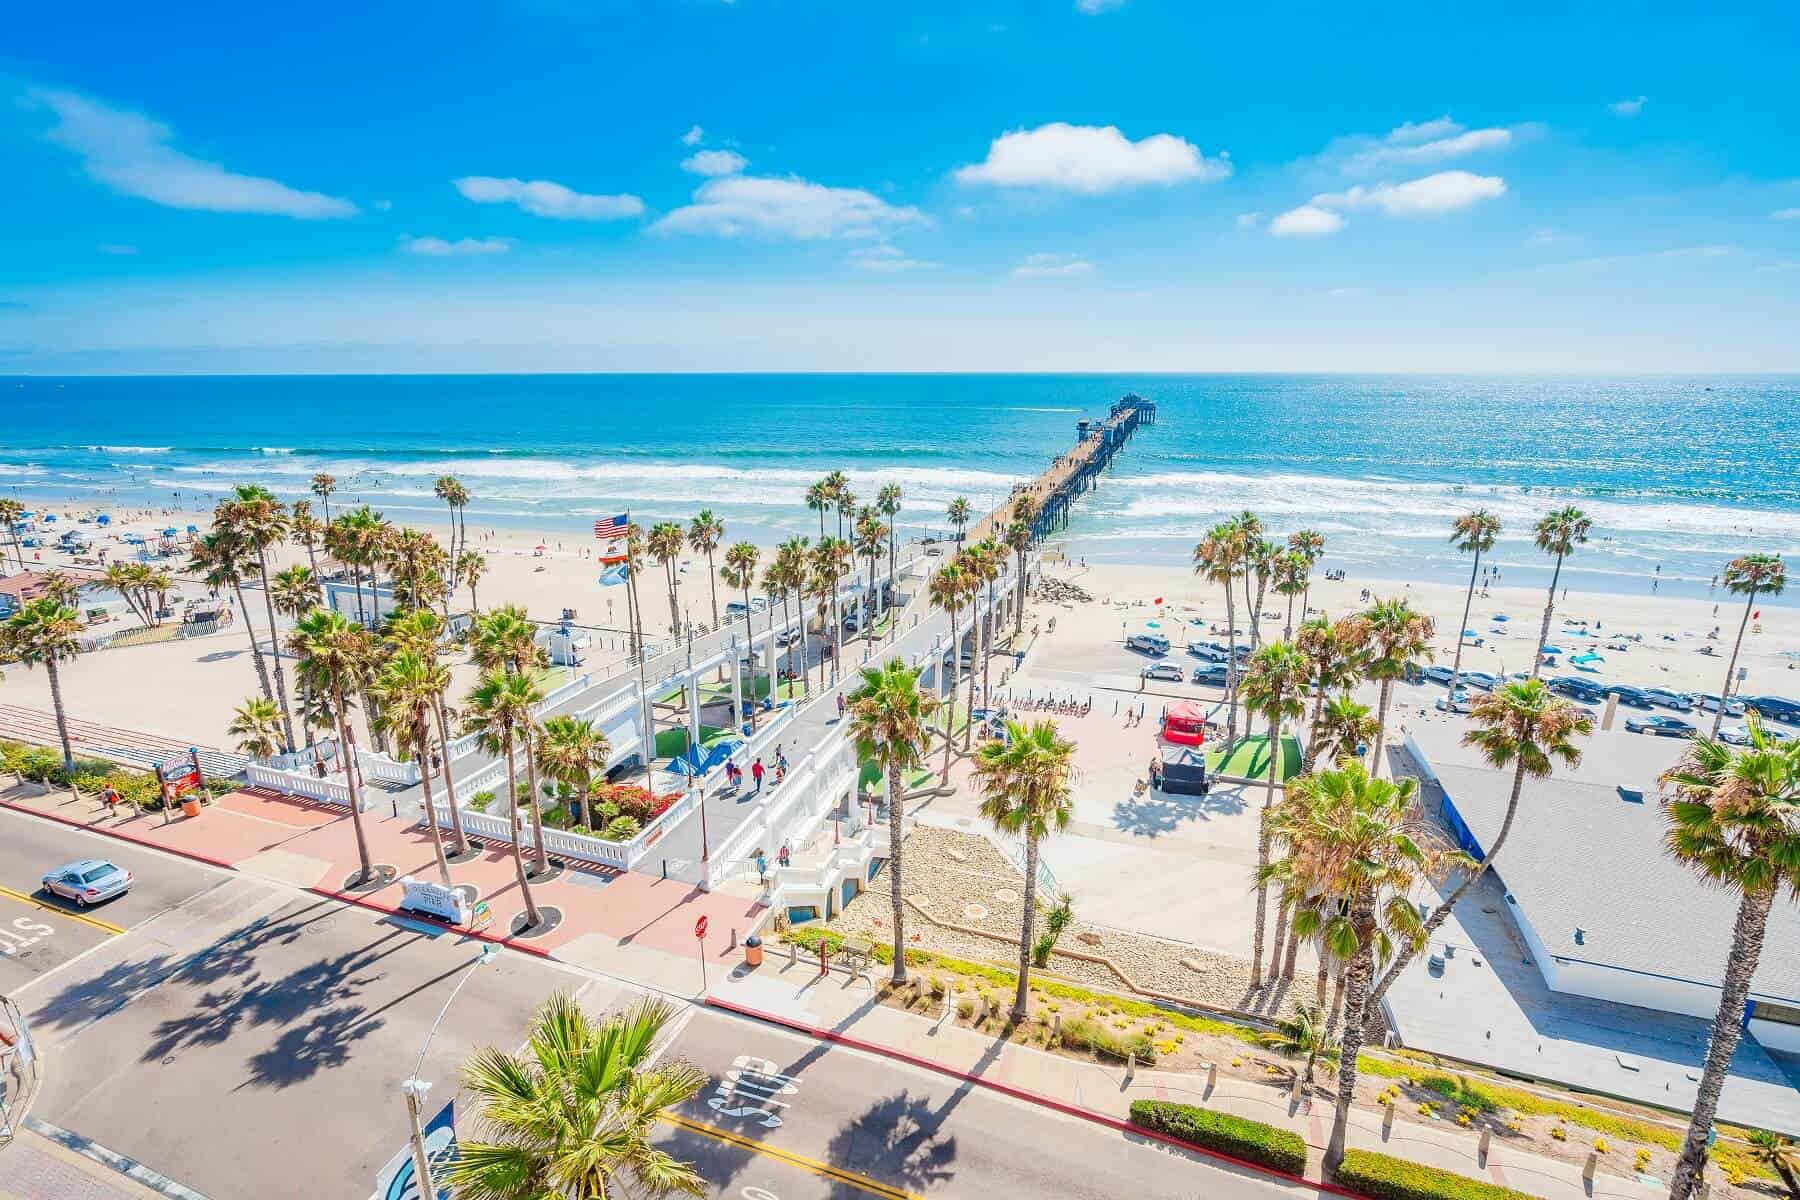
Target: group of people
[734,774]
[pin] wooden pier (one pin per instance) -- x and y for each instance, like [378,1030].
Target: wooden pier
[1078,471]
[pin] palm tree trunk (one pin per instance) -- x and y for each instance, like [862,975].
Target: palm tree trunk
[1262,895]
[1410,951]
[456,825]
[1031,859]
[1537,660]
[1387,693]
[1231,676]
[1262,588]
[1279,952]
[1728,1027]
[62,718]
[532,916]
[1362,916]
[1337,1001]
[950,708]
[750,648]
[537,817]
[349,748]
[1019,597]
[974,648]
[1293,954]
[986,659]
[896,790]
[1468,605]
[421,735]
[712,587]
[894,618]
[287,716]
[1323,1037]
[256,654]
[1731,667]
[1287,630]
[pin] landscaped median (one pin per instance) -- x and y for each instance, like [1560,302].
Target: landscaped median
[1237,1137]
[1383,1177]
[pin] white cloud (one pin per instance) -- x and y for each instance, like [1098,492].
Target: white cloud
[1249,220]
[714,162]
[130,154]
[439,248]
[1436,150]
[1306,221]
[542,198]
[1786,214]
[884,259]
[1095,7]
[118,248]
[384,205]
[1628,108]
[1543,235]
[1038,266]
[1444,192]
[787,208]
[694,136]
[1423,131]
[1090,159]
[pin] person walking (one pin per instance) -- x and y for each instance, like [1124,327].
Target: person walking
[762,868]
[756,773]
[783,856]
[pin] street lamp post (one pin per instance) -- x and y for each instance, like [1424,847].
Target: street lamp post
[416,1088]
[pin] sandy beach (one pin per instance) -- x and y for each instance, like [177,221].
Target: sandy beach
[187,689]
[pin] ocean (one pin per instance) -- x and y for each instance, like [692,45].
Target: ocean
[1679,473]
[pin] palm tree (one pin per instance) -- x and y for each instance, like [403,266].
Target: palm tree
[819,499]
[821,586]
[451,491]
[1263,556]
[889,719]
[469,566]
[871,539]
[846,506]
[323,486]
[572,750]
[336,658]
[1023,781]
[960,514]
[499,712]
[1310,544]
[1291,574]
[665,543]
[830,557]
[1273,687]
[573,1113]
[1749,576]
[1018,540]
[256,728]
[46,630]
[1248,528]
[421,631]
[506,638]
[1331,660]
[1217,559]
[1388,636]
[410,686]
[985,559]
[1378,848]
[1302,1034]
[739,572]
[790,573]
[1473,532]
[221,559]
[1734,819]
[306,529]
[704,534]
[887,503]
[1780,1154]
[949,589]
[1558,533]
[1344,725]
[11,513]
[1527,727]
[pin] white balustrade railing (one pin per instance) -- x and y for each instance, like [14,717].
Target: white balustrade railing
[386,768]
[299,783]
[567,843]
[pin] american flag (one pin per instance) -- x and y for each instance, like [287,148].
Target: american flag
[611,529]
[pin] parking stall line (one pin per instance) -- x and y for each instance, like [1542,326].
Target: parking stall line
[96,922]
[861,1182]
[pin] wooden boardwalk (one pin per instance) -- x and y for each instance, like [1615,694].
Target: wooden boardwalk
[1056,489]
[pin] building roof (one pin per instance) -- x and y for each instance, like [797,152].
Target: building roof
[24,585]
[1582,855]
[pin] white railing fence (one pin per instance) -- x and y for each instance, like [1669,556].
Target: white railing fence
[300,783]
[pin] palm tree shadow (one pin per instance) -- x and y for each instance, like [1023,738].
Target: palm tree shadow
[899,1141]
[1157,813]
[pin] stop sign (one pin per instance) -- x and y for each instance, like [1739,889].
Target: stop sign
[700,928]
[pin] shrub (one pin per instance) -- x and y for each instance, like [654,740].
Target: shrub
[1252,1141]
[1083,1034]
[480,801]
[1385,1178]
[622,829]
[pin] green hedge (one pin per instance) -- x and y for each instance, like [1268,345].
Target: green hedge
[1252,1141]
[1383,1177]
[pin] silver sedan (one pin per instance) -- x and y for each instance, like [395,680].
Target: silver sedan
[88,881]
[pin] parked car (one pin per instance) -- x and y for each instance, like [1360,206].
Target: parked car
[1213,675]
[1148,643]
[1738,735]
[88,881]
[1667,698]
[1577,688]
[735,610]
[1167,671]
[1734,707]
[1776,708]
[1459,701]
[1480,679]
[1659,726]
[1205,650]
[1435,674]
[788,637]
[1636,697]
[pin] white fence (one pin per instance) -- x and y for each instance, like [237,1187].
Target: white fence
[387,768]
[299,783]
[568,843]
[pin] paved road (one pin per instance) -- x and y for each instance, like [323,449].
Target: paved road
[893,1130]
[39,933]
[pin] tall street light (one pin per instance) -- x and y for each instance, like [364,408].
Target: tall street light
[416,1088]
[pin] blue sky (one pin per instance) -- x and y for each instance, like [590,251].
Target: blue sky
[815,185]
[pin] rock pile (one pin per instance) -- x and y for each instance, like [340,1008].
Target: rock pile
[1061,591]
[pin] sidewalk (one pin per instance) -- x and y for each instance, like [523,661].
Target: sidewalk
[794,993]
[33,1167]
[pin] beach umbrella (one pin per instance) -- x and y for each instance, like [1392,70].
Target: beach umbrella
[1152,624]
[193,529]
[103,519]
[169,532]
[49,517]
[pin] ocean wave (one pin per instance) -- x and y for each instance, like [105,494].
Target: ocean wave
[130,449]
[20,469]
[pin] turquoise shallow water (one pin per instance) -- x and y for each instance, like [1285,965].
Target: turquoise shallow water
[1677,472]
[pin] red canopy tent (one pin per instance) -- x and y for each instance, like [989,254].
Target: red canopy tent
[1184,721]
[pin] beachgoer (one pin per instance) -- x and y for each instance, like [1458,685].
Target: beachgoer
[762,868]
[841,705]
[784,856]
[1156,774]
[756,773]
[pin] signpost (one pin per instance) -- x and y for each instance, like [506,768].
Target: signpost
[700,942]
[399,1179]
[178,776]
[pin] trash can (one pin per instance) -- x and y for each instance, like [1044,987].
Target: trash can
[753,951]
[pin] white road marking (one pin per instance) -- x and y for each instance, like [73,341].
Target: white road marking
[749,1090]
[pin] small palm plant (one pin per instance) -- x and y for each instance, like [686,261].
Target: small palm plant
[1303,1036]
